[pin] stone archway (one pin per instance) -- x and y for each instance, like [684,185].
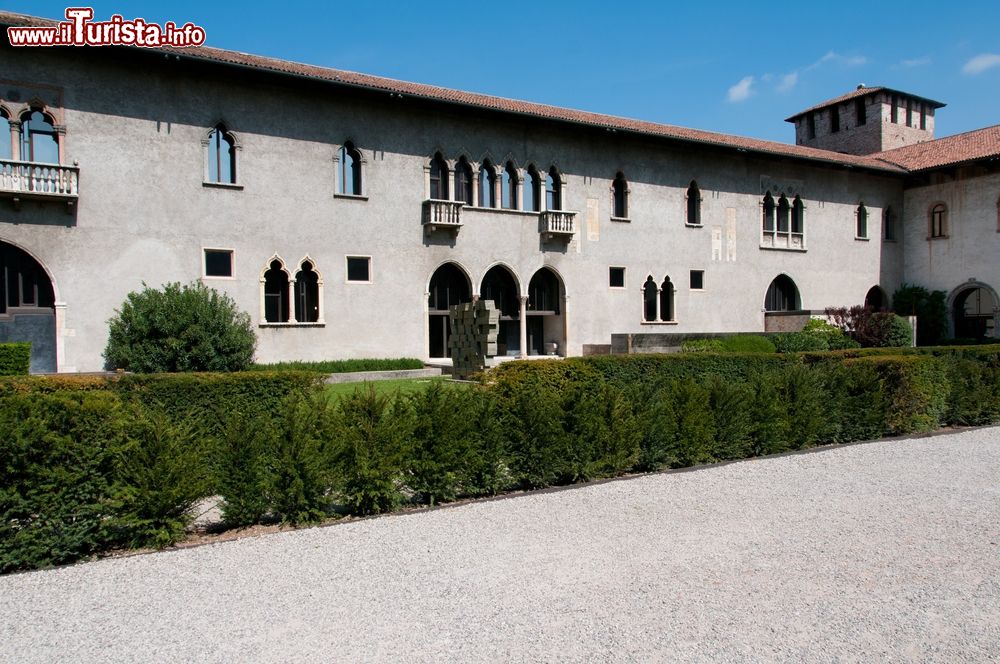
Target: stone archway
[449,285]
[545,327]
[974,308]
[27,306]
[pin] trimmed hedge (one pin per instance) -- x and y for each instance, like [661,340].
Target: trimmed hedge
[93,463]
[343,366]
[15,359]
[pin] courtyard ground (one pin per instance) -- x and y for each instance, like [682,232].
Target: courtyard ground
[887,551]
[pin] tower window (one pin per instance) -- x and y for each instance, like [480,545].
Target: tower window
[811,125]
[860,111]
[834,120]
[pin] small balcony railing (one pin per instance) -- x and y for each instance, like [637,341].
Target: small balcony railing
[25,179]
[557,224]
[442,215]
[782,240]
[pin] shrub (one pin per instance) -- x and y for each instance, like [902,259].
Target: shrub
[243,470]
[444,441]
[870,328]
[15,359]
[929,307]
[834,336]
[602,434]
[162,469]
[372,434]
[343,366]
[488,472]
[747,343]
[538,442]
[300,468]
[181,328]
[58,493]
[797,342]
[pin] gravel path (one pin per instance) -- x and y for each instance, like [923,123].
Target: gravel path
[886,551]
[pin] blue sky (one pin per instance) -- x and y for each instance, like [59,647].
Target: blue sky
[738,67]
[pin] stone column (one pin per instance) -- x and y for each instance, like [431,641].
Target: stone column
[291,301]
[524,326]
[60,321]
[15,140]
[564,351]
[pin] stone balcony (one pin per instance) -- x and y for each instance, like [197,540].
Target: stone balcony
[25,180]
[557,224]
[442,215]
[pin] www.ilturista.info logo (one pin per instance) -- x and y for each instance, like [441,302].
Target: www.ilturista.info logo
[80,30]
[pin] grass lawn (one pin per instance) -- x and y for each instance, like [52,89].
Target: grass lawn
[403,385]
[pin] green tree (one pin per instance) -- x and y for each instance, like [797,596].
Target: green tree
[180,328]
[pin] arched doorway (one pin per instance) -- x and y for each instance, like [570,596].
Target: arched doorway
[546,328]
[449,285]
[27,306]
[876,299]
[500,287]
[782,295]
[973,312]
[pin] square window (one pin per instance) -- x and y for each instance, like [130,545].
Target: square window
[616,277]
[359,269]
[697,279]
[218,263]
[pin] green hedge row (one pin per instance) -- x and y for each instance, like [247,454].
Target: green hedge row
[15,359]
[344,366]
[91,464]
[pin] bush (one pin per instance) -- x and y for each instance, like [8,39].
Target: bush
[834,336]
[300,477]
[444,441]
[15,359]
[872,329]
[181,328]
[899,334]
[58,494]
[797,342]
[369,452]
[739,343]
[747,343]
[929,307]
[243,468]
[162,469]
[343,366]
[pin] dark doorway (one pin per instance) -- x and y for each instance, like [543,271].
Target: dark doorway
[449,286]
[973,314]
[500,287]
[27,307]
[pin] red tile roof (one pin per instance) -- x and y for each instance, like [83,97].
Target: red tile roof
[529,109]
[951,150]
[860,91]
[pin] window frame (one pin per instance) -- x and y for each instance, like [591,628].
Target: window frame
[701,276]
[371,269]
[861,222]
[624,275]
[296,293]
[889,223]
[28,133]
[937,219]
[359,164]
[692,205]
[620,192]
[232,263]
[221,133]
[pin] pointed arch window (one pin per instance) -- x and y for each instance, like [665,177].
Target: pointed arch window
[784,210]
[782,295]
[619,194]
[463,181]
[767,206]
[221,156]
[307,293]
[861,218]
[275,283]
[649,300]
[798,216]
[532,190]
[693,204]
[487,185]
[666,300]
[39,139]
[508,187]
[438,178]
[553,190]
[349,177]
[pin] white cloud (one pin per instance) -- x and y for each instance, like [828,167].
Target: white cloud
[981,63]
[741,90]
[833,56]
[788,81]
[915,62]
